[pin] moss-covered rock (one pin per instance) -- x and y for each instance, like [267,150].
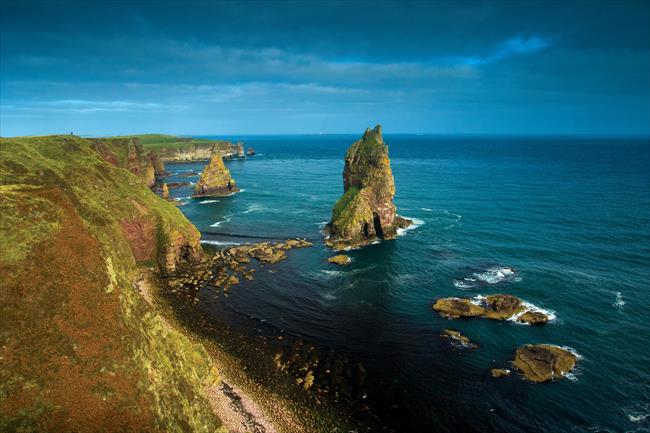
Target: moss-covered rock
[82,350]
[544,362]
[366,211]
[215,180]
[340,259]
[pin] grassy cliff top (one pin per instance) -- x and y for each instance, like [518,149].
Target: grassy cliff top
[81,349]
[162,141]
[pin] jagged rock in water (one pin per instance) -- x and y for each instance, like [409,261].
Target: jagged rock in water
[499,372]
[250,151]
[544,362]
[458,338]
[165,191]
[215,180]
[340,259]
[366,211]
[496,307]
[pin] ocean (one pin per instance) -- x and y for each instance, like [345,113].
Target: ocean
[563,223]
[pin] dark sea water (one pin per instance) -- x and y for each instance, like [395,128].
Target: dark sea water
[570,216]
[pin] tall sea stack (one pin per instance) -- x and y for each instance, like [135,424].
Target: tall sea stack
[366,211]
[215,180]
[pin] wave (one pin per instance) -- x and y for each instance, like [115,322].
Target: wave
[331,274]
[206,241]
[490,276]
[459,219]
[416,223]
[618,302]
[252,208]
[535,309]
[426,209]
[218,223]
[208,201]
[637,414]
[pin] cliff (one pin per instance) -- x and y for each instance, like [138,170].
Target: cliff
[81,348]
[366,211]
[171,148]
[215,180]
[129,153]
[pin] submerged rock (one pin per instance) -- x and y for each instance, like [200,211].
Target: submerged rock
[215,180]
[499,372]
[366,211]
[459,338]
[340,259]
[543,362]
[496,307]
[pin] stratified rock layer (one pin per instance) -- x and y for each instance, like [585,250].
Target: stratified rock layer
[366,211]
[543,362]
[215,180]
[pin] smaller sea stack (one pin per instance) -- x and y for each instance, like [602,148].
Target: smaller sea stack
[215,180]
[366,211]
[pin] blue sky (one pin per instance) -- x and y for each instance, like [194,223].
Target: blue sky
[104,68]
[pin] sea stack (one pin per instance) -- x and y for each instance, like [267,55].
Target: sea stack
[215,180]
[366,211]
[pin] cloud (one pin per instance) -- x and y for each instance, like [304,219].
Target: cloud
[510,47]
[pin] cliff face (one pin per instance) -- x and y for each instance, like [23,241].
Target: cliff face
[130,154]
[215,180]
[366,211]
[202,151]
[82,350]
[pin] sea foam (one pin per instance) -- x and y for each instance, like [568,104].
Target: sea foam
[416,223]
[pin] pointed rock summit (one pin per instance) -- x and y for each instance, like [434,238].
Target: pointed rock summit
[215,180]
[366,211]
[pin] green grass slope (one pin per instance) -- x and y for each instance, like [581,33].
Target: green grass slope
[80,349]
[162,141]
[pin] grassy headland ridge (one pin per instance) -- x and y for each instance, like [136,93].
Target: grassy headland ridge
[174,148]
[81,350]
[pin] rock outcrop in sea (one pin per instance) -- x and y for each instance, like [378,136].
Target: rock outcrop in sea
[366,211]
[215,180]
[544,362]
[496,307]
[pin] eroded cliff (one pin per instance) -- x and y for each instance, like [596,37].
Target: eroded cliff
[366,211]
[81,349]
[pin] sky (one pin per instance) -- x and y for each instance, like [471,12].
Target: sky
[226,68]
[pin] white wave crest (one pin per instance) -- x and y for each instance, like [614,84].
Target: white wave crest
[416,223]
[618,302]
[426,209]
[535,309]
[206,241]
[208,201]
[492,275]
[637,414]
[218,223]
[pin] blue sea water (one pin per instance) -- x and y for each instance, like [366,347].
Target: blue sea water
[562,223]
